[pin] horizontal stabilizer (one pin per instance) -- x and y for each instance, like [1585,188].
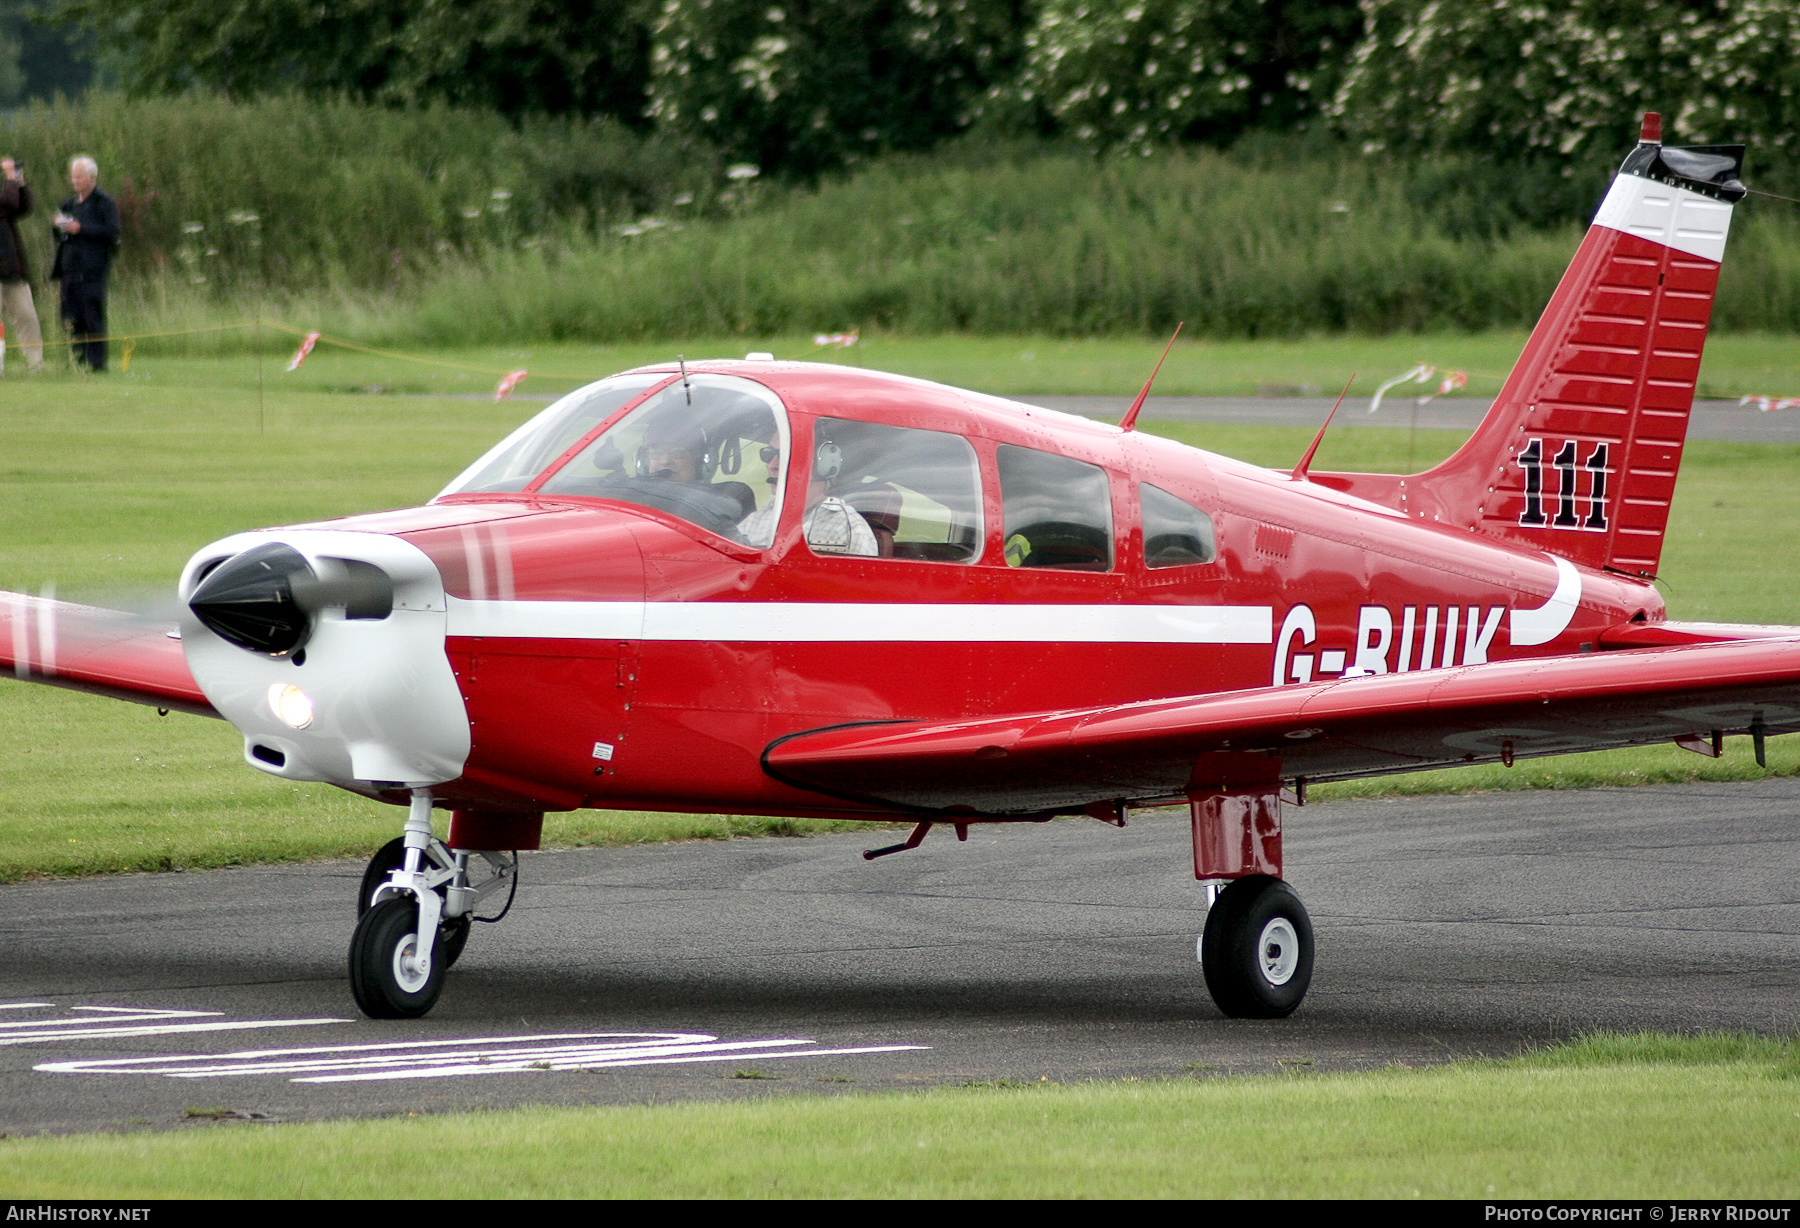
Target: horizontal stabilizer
[1062,762]
[104,652]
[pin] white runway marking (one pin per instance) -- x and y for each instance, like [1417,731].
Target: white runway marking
[110,1021]
[437,1059]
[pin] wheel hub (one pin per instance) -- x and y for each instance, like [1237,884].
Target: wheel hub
[410,972]
[1278,951]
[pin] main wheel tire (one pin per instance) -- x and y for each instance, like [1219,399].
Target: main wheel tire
[382,977]
[453,935]
[1257,951]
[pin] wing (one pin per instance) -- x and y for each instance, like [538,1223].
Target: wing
[106,652]
[1063,762]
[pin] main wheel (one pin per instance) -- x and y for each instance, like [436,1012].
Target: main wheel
[384,977]
[454,933]
[1257,951]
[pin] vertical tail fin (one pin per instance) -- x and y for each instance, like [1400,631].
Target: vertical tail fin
[1579,454]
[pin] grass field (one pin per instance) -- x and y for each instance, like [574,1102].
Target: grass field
[108,484]
[1739,364]
[1605,1117]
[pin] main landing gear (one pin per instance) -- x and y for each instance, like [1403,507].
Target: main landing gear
[1257,948]
[415,908]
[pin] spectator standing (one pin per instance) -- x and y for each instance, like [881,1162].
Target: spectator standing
[87,231]
[15,275]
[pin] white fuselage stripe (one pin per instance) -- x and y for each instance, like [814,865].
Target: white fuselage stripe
[831,622]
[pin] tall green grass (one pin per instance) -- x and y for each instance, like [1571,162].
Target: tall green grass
[226,200]
[440,227]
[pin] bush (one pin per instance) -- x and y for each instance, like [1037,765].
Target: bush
[299,194]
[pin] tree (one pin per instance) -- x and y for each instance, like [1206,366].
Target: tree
[805,85]
[37,61]
[585,57]
[1136,73]
[1567,82]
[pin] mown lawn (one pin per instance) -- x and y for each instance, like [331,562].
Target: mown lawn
[1639,1116]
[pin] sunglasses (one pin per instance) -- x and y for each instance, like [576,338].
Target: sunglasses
[769,454]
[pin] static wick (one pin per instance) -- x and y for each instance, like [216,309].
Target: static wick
[1130,418]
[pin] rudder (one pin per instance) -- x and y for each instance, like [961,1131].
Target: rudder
[1579,454]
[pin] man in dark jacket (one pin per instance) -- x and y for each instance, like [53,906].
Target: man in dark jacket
[87,231]
[15,275]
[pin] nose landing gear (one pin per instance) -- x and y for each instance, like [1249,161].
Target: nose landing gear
[415,907]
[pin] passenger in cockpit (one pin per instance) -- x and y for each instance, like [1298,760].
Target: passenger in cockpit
[832,525]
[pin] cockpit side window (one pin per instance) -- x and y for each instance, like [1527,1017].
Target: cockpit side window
[510,465]
[1176,534]
[707,448]
[1058,511]
[893,492]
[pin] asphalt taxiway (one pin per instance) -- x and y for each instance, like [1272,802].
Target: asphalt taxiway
[1710,419]
[1447,926]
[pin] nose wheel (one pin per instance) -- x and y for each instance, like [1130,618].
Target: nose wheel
[415,907]
[1257,949]
[453,932]
[389,975]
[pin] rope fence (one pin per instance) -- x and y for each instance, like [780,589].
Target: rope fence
[509,379]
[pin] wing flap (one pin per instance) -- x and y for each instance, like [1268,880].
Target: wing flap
[1061,762]
[104,652]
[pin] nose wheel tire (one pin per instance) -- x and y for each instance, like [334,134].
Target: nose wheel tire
[453,934]
[1257,952]
[385,975]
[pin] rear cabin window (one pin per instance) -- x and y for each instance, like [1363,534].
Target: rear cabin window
[1176,534]
[893,492]
[1058,511]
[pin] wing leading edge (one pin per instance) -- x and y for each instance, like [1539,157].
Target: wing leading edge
[1063,762]
[104,652]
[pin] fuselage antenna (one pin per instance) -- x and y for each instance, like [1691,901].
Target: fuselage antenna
[1299,474]
[685,386]
[1130,418]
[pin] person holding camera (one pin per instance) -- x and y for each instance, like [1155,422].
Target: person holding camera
[19,312]
[87,231]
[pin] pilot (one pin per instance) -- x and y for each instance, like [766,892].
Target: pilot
[675,450]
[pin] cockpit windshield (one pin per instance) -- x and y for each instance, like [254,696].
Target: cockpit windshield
[511,464]
[707,448]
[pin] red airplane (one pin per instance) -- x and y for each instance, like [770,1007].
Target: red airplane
[796,589]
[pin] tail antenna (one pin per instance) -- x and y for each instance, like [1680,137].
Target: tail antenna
[1130,418]
[685,386]
[1299,474]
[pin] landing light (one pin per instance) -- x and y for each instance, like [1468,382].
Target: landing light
[291,704]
